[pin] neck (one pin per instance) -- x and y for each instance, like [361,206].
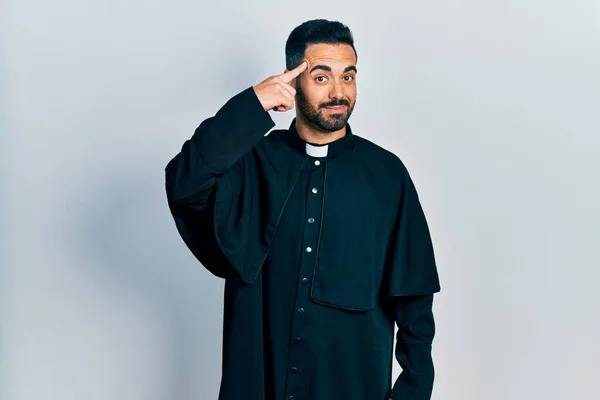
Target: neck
[312,134]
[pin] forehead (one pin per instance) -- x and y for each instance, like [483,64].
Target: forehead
[337,56]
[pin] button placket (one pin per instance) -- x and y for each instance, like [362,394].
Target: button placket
[298,339]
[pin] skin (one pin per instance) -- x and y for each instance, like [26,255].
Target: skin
[327,77]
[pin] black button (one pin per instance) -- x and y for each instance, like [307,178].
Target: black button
[291,398]
[311,220]
[297,340]
[304,280]
[294,370]
[300,310]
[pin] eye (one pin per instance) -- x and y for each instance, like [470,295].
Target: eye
[350,78]
[321,78]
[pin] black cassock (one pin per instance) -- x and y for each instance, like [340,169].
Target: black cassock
[322,248]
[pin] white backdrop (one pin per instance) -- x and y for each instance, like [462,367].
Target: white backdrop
[494,106]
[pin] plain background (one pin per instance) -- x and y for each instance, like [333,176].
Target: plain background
[494,106]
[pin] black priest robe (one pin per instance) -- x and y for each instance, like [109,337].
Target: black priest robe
[322,248]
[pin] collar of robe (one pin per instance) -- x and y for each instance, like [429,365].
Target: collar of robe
[329,150]
[246,242]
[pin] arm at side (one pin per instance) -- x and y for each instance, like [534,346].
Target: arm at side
[416,330]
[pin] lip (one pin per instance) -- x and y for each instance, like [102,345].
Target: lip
[336,108]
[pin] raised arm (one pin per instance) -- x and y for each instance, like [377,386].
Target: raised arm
[221,140]
[192,176]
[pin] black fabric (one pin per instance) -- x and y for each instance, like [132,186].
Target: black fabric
[312,324]
[416,329]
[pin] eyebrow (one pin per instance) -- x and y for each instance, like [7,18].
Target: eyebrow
[328,68]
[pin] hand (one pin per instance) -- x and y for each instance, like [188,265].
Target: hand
[276,93]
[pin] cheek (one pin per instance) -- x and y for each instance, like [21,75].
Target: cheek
[315,95]
[315,90]
[351,96]
[351,90]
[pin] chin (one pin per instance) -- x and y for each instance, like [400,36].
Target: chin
[335,126]
[338,118]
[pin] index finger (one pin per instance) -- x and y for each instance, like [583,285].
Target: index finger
[288,76]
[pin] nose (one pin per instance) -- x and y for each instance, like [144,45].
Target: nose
[336,91]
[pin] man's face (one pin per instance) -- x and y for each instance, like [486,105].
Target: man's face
[326,91]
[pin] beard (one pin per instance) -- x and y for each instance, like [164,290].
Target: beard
[330,123]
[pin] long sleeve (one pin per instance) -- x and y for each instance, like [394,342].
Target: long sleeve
[192,176]
[217,144]
[416,330]
[411,283]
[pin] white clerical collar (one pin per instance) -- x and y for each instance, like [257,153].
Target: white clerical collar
[316,151]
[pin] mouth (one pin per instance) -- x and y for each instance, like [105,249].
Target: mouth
[336,108]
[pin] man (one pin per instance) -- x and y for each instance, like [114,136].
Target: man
[318,233]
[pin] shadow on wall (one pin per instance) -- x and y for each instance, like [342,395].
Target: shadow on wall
[127,230]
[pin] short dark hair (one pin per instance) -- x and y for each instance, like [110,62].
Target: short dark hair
[314,32]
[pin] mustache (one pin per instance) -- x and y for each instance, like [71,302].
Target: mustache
[335,103]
